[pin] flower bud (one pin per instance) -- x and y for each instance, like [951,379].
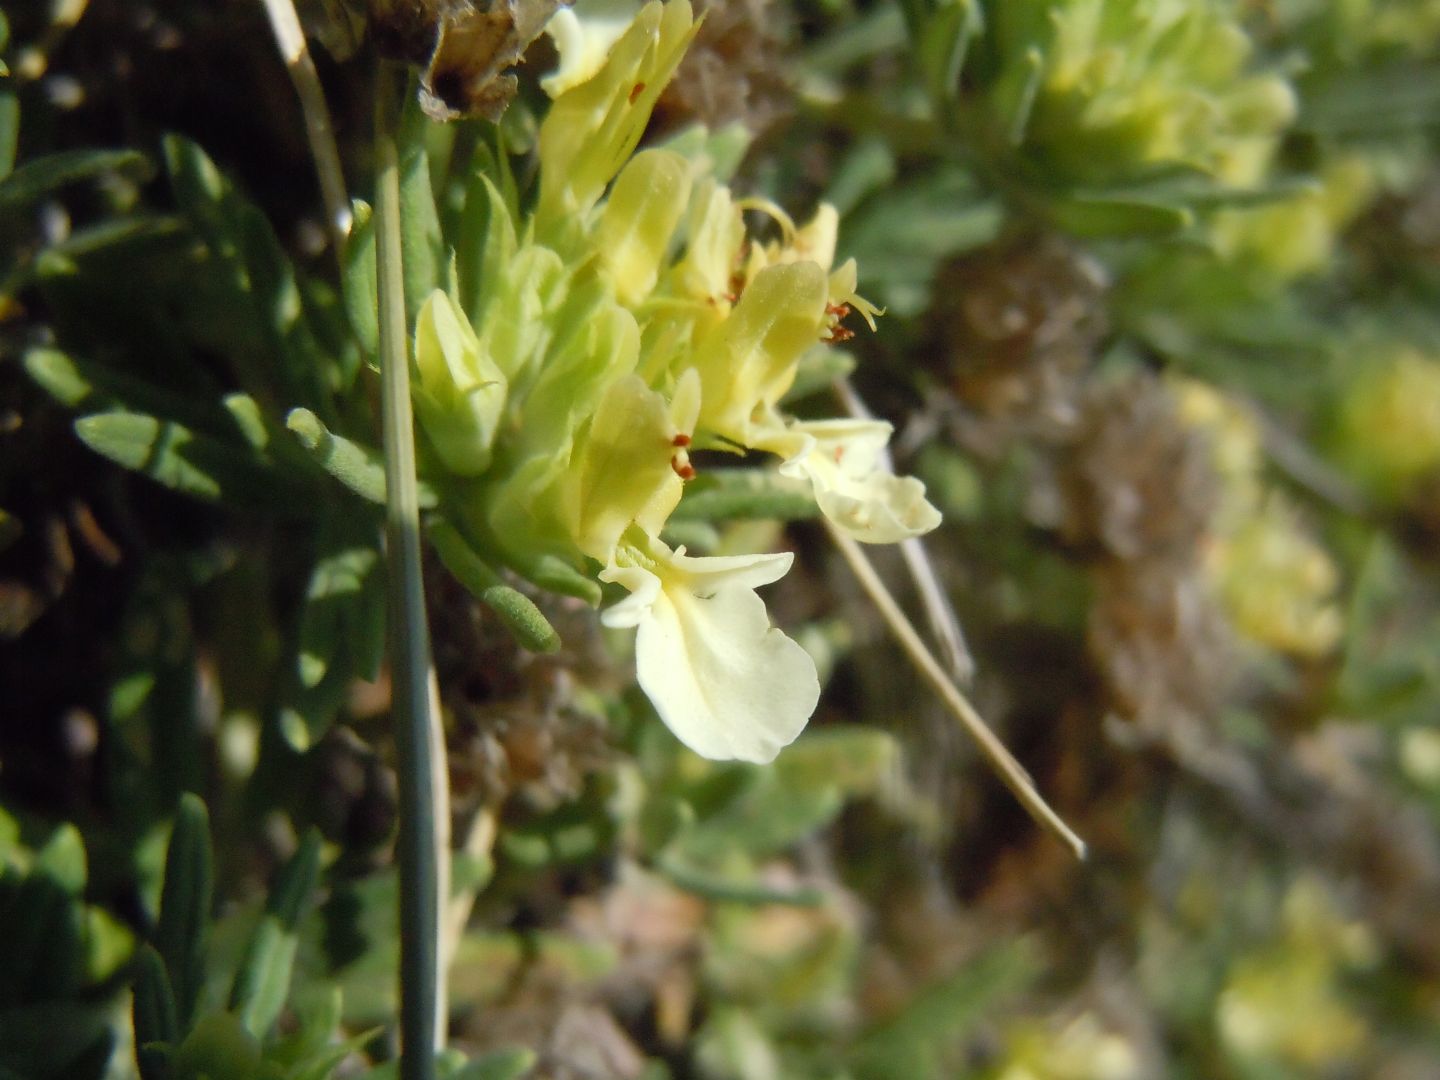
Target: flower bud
[460,391]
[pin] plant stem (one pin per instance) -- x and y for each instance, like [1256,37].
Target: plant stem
[285,25]
[419,743]
[1011,772]
[939,612]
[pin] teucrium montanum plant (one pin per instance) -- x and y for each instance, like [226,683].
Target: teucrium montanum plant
[623,322]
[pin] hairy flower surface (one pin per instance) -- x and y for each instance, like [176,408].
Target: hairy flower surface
[591,343]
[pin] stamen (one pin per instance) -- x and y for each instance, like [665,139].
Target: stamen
[681,440]
[636,91]
[683,469]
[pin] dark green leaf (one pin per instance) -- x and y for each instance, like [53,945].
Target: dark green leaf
[307,712]
[189,462]
[263,981]
[360,283]
[336,599]
[420,240]
[47,1040]
[42,953]
[39,178]
[262,285]
[81,384]
[185,905]
[62,859]
[941,46]
[1014,95]
[9,132]
[155,1019]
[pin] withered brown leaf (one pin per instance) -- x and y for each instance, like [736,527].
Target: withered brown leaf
[467,73]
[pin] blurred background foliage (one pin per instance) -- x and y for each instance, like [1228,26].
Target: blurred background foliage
[1163,338]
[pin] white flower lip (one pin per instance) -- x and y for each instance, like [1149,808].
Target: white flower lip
[727,683]
[844,460]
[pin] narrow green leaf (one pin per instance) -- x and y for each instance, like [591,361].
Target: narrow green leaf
[420,239]
[519,614]
[311,1050]
[498,1065]
[1102,217]
[195,464]
[83,384]
[261,281]
[185,904]
[877,31]
[706,885]
[49,1039]
[42,950]
[941,47]
[866,167]
[9,132]
[366,629]
[336,597]
[359,468]
[802,792]
[359,283]
[942,1014]
[557,575]
[1015,95]
[154,1014]
[249,420]
[307,712]
[482,203]
[38,178]
[133,237]
[263,980]
[62,859]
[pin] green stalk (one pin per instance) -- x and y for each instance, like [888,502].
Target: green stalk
[419,744]
[1012,774]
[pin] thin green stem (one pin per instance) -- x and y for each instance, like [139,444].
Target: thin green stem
[423,830]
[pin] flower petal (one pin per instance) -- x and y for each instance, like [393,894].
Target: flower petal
[854,487]
[583,35]
[625,469]
[727,683]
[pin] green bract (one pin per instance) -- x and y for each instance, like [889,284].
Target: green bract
[623,321]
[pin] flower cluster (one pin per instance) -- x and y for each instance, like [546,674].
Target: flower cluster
[1275,581]
[1387,429]
[1113,89]
[622,323]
